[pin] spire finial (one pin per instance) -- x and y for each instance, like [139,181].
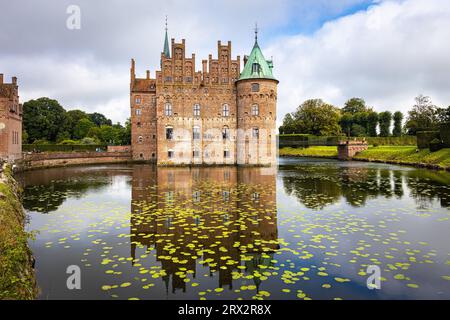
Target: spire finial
[166,43]
[256,32]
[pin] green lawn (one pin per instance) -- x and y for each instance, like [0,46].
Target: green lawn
[394,154]
[406,155]
[320,152]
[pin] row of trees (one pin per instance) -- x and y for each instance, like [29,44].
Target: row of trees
[46,121]
[356,119]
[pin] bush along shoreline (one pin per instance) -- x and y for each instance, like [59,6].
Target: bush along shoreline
[400,155]
[17,276]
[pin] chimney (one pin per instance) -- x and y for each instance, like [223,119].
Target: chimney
[1,78]
[148,74]
[205,66]
[14,80]
[132,70]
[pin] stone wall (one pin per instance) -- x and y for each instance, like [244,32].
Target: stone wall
[119,149]
[348,149]
[60,159]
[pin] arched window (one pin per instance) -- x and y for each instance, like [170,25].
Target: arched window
[169,133]
[255,110]
[138,112]
[196,133]
[226,110]
[226,133]
[196,110]
[140,139]
[168,109]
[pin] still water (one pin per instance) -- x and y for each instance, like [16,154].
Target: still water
[307,230]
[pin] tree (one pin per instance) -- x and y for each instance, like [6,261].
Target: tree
[44,118]
[288,125]
[73,118]
[385,119]
[443,115]
[317,117]
[423,116]
[398,118]
[346,123]
[99,119]
[82,128]
[372,123]
[355,105]
[358,130]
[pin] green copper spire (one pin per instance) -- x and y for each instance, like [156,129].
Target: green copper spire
[257,67]
[166,44]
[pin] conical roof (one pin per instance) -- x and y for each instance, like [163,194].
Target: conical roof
[257,67]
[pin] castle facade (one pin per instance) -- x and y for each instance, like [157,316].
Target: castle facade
[10,121]
[218,115]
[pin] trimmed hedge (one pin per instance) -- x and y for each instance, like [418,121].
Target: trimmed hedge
[392,141]
[61,147]
[425,137]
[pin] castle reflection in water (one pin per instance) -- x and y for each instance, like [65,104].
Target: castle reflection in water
[218,211]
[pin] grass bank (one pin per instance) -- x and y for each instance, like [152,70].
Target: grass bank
[317,152]
[17,279]
[407,155]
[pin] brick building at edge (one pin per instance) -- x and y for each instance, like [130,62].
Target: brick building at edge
[218,115]
[10,121]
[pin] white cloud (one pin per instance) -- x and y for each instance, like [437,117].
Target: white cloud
[387,54]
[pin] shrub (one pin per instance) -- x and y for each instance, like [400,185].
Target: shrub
[435,145]
[425,137]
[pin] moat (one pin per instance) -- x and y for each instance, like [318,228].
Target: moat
[307,230]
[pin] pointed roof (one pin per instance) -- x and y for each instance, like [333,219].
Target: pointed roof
[264,71]
[166,44]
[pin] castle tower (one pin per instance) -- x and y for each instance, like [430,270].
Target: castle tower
[10,121]
[257,105]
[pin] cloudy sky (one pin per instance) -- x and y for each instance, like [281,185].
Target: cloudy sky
[386,51]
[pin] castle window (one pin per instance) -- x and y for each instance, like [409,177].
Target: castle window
[139,125]
[225,110]
[255,196]
[196,133]
[255,133]
[168,110]
[196,110]
[168,79]
[140,139]
[225,133]
[154,101]
[138,100]
[255,87]
[226,153]
[255,110]
[169,133]
[196,153]
[138,112]
[170,154]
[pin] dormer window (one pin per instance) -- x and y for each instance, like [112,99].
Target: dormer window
[255,67]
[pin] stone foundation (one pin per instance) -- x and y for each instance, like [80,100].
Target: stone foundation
[348,149]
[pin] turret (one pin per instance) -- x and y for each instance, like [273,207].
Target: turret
[257,106]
